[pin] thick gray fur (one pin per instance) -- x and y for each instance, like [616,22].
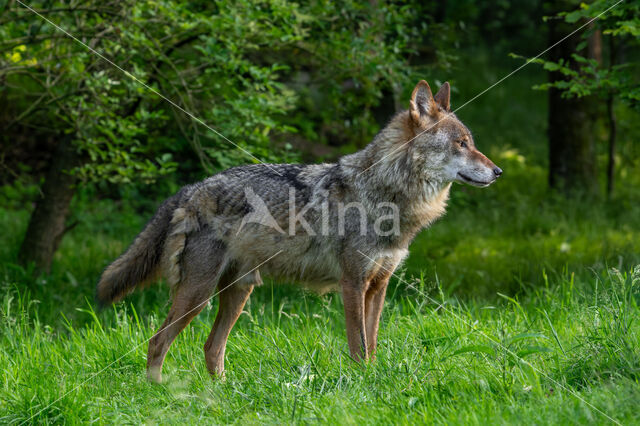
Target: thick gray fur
[203,221]
[344,225]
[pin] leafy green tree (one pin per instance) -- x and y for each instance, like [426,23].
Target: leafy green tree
[579,77]
[253,70]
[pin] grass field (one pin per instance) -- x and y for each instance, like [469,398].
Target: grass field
[518,306]
[567,352]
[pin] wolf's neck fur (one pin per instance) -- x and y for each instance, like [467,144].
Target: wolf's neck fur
[389,170]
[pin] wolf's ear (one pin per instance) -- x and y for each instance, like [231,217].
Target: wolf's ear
[443,95]
[422,103]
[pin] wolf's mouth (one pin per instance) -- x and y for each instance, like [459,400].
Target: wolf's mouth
[473,182]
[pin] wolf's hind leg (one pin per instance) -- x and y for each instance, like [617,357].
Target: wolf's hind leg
[187,304]
[231,302]
[201,265]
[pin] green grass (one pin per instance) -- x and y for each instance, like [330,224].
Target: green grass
[508,310]
[440,360]
[478,292]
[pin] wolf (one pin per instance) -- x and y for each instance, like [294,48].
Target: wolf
[342,226]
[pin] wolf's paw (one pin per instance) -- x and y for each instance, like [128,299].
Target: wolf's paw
[218,374]
[154,374]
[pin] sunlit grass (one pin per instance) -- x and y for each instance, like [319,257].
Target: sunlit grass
[439,360]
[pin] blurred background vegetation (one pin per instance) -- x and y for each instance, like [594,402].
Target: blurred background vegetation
[527,268]
[88,153]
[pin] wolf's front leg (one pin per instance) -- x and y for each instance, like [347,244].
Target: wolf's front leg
[353,293]
[374,300]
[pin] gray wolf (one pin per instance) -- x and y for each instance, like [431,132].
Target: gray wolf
[345,225]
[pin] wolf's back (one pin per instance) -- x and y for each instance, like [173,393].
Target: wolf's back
[140,263]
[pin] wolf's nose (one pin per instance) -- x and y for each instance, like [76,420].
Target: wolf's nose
[497,171]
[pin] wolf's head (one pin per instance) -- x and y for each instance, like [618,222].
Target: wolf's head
[442,145]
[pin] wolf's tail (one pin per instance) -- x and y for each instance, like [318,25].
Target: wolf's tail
[140,264]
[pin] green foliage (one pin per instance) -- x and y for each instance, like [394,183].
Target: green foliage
[242,67]
[500,24]
[585,76]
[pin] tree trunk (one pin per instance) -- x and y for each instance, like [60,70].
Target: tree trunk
[572,157]
[611,165]
[572,163]
[47,223]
